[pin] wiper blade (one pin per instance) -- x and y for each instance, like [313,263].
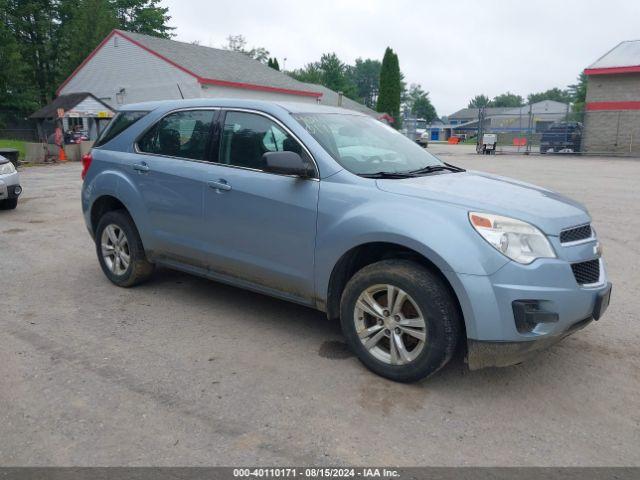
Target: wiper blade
[436,168]
[387,175]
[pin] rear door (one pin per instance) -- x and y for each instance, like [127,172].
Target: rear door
[170,170]
[261,226]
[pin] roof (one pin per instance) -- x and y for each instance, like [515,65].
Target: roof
[331,97]
[473,112]
[623,58]
[212,66]
[538,108]
[66,102]
[263,105]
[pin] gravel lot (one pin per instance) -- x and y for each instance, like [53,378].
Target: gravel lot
[184,371]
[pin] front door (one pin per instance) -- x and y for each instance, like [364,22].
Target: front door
[261,226]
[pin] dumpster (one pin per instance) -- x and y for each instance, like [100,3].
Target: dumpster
[10,154]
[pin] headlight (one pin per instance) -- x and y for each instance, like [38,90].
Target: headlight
[518,240]
[7,168]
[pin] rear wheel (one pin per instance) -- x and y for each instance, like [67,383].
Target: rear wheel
[400,319]
[120,251]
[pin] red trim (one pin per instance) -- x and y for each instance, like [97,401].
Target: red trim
[250,86]
[84,62]
[592,106]
[201,80]
[611,70]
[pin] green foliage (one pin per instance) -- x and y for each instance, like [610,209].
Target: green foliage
[479,101]
[390,86]
[17,144]
[238,43]
[273,63]
[365,75]
[507,99]
[419,103]
[578,92]
[556,94]
[331,72]
[45,40]
[17,94]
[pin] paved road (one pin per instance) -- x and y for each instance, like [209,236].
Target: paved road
[184,371]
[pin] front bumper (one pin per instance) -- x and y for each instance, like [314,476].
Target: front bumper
[491,304]
[10,186]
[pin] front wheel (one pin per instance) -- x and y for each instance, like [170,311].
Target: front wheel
[400,319]
[120,251]
[9,204]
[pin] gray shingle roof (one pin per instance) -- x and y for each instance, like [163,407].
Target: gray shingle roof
[625,54]
[218,64]
[330,97]
[67,102]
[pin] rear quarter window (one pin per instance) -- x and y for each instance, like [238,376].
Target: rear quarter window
[119,124]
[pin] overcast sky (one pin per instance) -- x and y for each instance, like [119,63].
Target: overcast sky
[455,50]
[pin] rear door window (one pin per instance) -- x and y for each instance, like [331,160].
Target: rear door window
[184,134]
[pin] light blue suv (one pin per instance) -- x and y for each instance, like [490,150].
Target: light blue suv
[334,210]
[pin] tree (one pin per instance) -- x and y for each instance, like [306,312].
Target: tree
[329,71]
[479,101]
[419,103]
[365,75]
[273,63]
[17,95]
[142,16]
[54,36]
[556,94]
[238,43]
[578,92]
[507,99]
[390,87]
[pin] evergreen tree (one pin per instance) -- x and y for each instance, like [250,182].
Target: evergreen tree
[273,63]
[479,101]
[390,89]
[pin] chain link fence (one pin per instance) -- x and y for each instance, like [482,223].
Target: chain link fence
[531,131]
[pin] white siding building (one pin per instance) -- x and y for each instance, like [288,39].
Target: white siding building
[130,67]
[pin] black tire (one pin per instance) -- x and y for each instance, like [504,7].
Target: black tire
[9,204]
[432,296]
[139,269]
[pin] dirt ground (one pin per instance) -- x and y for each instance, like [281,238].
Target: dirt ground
[185,371]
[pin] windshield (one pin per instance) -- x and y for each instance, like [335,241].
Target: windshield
[363,145]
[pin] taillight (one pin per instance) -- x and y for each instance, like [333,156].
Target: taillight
[86,163]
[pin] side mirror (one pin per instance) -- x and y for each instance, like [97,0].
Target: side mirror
[285,163]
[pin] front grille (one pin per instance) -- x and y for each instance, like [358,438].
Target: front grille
[575,234]
[586,272]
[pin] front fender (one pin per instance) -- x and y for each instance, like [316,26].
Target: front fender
[440,232]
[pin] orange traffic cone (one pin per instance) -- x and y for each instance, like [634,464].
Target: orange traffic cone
[61,155]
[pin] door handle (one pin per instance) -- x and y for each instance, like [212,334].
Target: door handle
[141,167]
[219,185]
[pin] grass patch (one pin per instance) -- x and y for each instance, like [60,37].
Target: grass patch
[17,144]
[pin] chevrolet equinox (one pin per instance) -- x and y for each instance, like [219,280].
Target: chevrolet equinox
[335,210]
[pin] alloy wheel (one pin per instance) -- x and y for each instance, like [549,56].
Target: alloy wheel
[390,324]
[115,249]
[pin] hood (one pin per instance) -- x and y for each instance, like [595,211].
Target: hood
[482,192]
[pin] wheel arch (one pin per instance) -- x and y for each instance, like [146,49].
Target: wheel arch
[365,254]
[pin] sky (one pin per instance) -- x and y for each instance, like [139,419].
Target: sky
[455,50]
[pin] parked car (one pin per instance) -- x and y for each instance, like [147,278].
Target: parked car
[10,188]
[423,139]
[332,209]
[561,136]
